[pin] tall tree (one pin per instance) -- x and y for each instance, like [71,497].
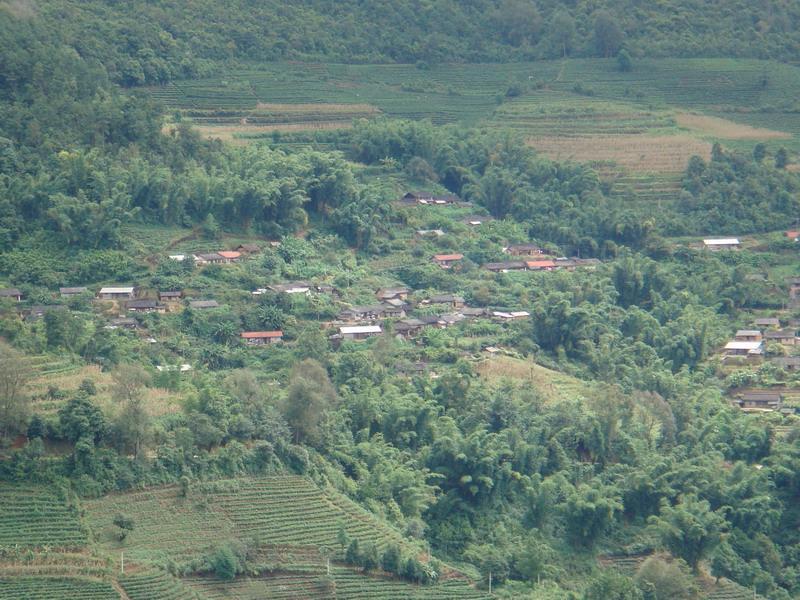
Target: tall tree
[310,395]
[14,376]
[607,34]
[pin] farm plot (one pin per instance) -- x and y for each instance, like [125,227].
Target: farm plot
[709,84]
[33,517]
[720,128]
[286,514]
[641,153]
[345,584]
[47,588]
[292,510]
[156,585]
[548,112]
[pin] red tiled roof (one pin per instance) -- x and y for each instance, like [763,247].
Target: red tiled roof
[540,264]
[448,256]
[229,254]
[249,335]
[793,234]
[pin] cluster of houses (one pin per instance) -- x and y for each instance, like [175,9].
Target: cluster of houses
[221,257]
[362,322]
[542,264]
[429,198]
[749,344]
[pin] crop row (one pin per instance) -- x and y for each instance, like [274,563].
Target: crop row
[346,584]
[155,585]
[45,588]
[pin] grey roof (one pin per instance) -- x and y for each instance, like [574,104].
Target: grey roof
[767,321]
[123,321]
[170,294]
[445,299]
[502,266]
[40,309]
[524,247]
[779,335]
[142,304]
[210,256]
[72,290]
[786,361]
[203,304]
[763,396]
[9,292]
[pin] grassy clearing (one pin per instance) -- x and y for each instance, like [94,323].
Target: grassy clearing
[552,385]
[726,129]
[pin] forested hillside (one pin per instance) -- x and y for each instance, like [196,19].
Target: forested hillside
[153,42]
[273,325]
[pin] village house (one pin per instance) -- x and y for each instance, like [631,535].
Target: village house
[749,350]
[248,248]
[122,323]
[586,263]
[767,323]
[359,332]
[794,287]
[715,244]
[209,258]
[748,335]
[503,267]
[447,260]
[261,338]
[524,250]
[116,293]
[428,198]
[230,256]
[12,293]
[38,311]
[473,313]
[203,304]
[475,220]
[787,363]
[354,314]
[68,292]
[400,293]
[177,257]
[430,232]
[408,327]
[391,311]
[540,265]
[411,369]
[296,287]
[510,316]
[448,299]
[759,401]
[787,338]
[170,296]
[145,306]
[183,368]
[793,235]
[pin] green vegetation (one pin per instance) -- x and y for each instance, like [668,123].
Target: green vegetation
[511,383]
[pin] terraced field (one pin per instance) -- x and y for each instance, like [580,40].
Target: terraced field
[34,517]
[49,588]
[156,585]
[286,513]
[624,124]
[344,584]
